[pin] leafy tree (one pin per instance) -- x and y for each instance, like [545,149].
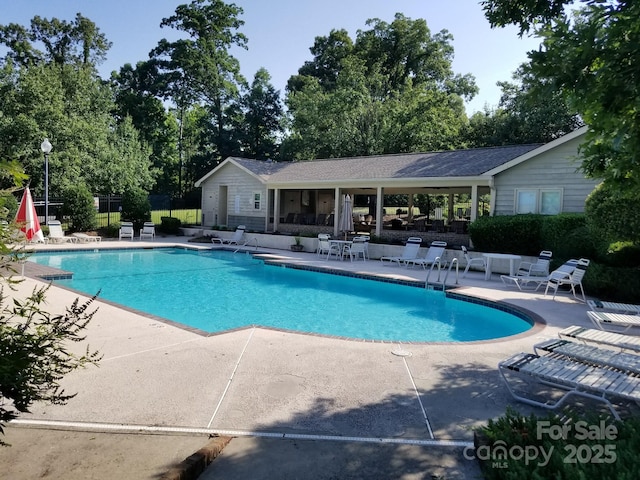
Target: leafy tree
[261,119]
[391,91]
[71,107]
[590,55]
[136,207]
[530,111]
[77,42]
[200,69]
[136,96]
[79,207]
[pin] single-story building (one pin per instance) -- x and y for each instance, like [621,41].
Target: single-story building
[266,195]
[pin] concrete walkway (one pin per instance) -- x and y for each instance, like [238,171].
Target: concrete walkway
[298,406]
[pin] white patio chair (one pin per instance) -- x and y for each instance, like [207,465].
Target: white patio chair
[621,321]
[571,377]
[434,255]
[126,230]
[358,248]
[573,279]
[234,240]
[56,234]
[410,252]
[148,230]
[323,244]
[539,268]
[479,261]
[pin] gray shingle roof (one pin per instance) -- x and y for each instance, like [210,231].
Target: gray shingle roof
[452,163]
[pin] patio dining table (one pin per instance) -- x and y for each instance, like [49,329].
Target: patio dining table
[500,256]
[342,245]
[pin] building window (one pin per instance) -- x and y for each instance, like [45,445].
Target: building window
[550,202]
[547,201]
[526,201]
[257,197]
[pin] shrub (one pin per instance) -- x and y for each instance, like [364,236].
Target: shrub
[598,448]
[170,225]
[136,208]
[79,208]
[519,234]
[612,213]
[10,203]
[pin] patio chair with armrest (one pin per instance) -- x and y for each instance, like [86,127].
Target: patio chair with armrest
[539,268]
[126,230]
[409,252]
[619,321]
[573,280]
[56,234]
[480,261]
[601,337]
[358,248]
[435,254]
[234,240]
[524,281]
[572,377]
[148,230]
[323,244]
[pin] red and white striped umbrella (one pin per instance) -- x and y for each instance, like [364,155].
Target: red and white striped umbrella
[27,218]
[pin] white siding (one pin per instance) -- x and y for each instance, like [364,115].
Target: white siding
[557,168]
[241,185]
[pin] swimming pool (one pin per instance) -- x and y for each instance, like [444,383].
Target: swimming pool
[215,291]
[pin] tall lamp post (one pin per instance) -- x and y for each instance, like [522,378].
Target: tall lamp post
[45,146]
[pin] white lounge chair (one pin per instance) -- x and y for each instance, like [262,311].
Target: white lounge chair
[410,252]
[573,279]
[480,261]
[56,234]
[620,321]
[84,238]
[599,306]
[601,337]
[529,281]
[148,230]
[234,240]
[573,378]
[126,230]
[628,362]
[434,255]
[539,268]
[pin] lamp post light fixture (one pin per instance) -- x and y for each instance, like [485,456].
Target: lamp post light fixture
[45,146]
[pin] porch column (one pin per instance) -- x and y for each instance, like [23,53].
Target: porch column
[410,211]
[474,202]
[379,208]
[450,213]
[492,197]
[276,210]
[336,211]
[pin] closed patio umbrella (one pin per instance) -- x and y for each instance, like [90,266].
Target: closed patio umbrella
[27,218]
[346,216]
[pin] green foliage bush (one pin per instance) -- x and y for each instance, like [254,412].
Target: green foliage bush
[79,208]
[518,234]
[9,204]
[136,207]
[170,225]
[613,214]
[614,449]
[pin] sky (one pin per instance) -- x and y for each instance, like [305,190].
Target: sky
[280,32]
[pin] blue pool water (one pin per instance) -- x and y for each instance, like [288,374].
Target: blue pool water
[216,290]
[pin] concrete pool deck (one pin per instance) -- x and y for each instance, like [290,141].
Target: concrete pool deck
[296,405]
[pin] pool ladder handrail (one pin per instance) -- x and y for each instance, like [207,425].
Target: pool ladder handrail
[437,261]
[245,244]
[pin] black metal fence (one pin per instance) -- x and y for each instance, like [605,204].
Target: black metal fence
[109,207]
